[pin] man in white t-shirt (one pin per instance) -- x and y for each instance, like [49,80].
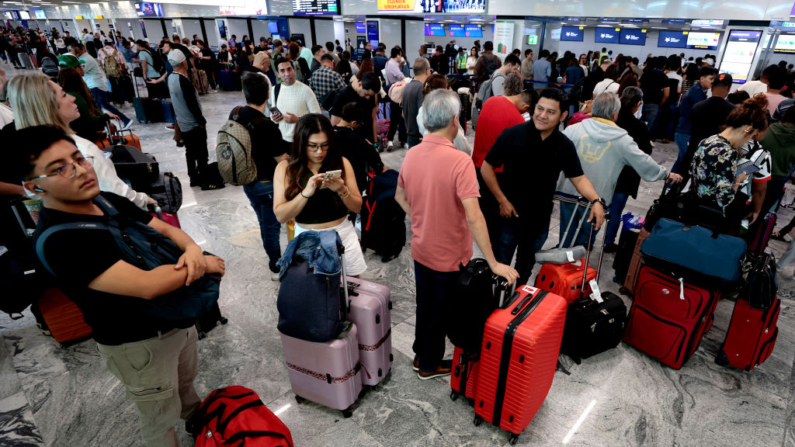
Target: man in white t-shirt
[754,157]
[290,100]
[755,87]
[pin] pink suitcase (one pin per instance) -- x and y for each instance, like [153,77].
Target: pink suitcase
[370,311]
[325,373]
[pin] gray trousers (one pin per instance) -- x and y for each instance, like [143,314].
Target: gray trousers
[158,374]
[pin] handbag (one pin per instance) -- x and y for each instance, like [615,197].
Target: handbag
[696,248]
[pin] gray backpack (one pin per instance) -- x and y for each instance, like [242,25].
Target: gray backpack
[485,92]
[233,151]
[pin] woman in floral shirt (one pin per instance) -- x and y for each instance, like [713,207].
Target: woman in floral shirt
[715,163]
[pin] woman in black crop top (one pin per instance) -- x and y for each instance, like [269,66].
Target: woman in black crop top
[301,191]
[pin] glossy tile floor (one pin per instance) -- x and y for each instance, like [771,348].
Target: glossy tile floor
[57,396]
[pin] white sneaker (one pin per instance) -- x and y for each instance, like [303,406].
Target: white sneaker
[389,145]
[128,125]
[274,276]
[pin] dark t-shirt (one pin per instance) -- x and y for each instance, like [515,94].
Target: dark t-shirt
[349,95]
[363,156]
[79,256]
[629,180]
[531,168]
[652,83]
[706,119]
[266,141]
[412,101]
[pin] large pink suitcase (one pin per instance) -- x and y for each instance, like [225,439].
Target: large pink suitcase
[325,373]
[370,311]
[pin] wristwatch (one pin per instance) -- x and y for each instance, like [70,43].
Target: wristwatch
[601,201]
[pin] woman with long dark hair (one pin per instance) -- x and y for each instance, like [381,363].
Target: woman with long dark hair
[92,121]
[303,191]
[367,66]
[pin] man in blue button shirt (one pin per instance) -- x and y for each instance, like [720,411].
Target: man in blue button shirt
[541,70]
[693,96]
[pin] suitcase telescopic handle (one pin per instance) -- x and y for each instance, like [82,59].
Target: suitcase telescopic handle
[344,279]
[588,255]
[502,284]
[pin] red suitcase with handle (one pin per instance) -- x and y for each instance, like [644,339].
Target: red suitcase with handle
[518,359]
[64,319]
[465,373]
[669,317]
[751,336]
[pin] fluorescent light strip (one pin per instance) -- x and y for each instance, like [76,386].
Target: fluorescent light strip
[579,422]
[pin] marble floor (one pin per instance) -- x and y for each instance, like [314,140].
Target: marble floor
[55,396]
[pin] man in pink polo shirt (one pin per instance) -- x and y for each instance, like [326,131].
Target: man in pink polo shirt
[438,188]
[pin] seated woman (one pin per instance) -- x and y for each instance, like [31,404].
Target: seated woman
[301,190]
[715,179]
[91,123]
[38,101]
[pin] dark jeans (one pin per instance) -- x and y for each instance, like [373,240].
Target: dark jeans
[412,141]
[159,90]
[649,116]
[682,141]
[566,211]
[118,91]
[775,191]
[260,194]
[511,236]
[101,97]
[397,124]
[616,210]
[211,78]
[433,296]
[196,153]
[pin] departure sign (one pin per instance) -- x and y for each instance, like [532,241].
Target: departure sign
[739,54]
[633,37]
[316,7]
[672,39]
[702,41]
[572,33]
[606,35]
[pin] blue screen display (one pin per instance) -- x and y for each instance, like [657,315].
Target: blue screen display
[633,37]
[606,35]
[457,31]
[571,34]
[434,29]
[672,39]
[273,27]
[473,30]
[360,28]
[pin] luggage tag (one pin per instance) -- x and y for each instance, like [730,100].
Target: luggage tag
[570,256]
[596,295]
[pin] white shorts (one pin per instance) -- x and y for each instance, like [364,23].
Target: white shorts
[354,258]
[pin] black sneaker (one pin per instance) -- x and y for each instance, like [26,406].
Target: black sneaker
[611,248]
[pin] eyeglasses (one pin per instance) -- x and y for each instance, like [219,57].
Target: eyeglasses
[318,147]
[69,170]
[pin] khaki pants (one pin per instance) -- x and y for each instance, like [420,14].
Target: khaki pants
[158,374]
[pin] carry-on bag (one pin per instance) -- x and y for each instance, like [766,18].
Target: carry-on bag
[141,169]
[148,110]
[635,264]
[383,220]
[566,279]
[169,115]
[669,316]
[64,319]
[370,311]
[235,416]
[229,80]
[764,229]
[751,336]
[759,286]
[167,190]
[518,359]
[21,280]
[595,323]
[118,138]
[623,259]
[463,378]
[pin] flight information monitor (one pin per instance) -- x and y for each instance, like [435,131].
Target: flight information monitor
[572,33]
[672,39]
[630,36]
[606,35]
[702,41]
[739,54]
[434,29]
[316,7]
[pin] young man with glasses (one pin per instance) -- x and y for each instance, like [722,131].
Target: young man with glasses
[155,359]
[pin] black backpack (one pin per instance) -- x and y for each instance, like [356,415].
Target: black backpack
[491,65]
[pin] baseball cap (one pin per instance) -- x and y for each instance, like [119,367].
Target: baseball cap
[175,57]
[709,61]
[260,57]
[724,79]
[68,61]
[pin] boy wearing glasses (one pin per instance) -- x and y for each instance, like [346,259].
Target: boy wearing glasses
[155,360]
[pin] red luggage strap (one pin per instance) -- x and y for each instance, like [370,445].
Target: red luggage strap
[327,377]
[369,214]
[377,345]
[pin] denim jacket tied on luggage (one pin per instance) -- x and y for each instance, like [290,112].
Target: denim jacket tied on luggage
[318,248]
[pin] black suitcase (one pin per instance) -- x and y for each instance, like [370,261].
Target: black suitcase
[383,220]
[139,168]
[148,110]
[593,324]
[626,246]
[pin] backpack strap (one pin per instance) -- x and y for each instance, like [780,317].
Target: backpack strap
[276,91]
[56,228]
[236,113]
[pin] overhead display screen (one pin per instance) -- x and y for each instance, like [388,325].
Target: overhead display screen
[273,27]
[434,29]
[456,30]
[147,9]
[316,7]
[672,39]
[24,15]
[739,54]
[361,28]
[434,7]
[785,44]
[702,41]
[633,37]
[40,14]
[473,30]
[572,34]
[606,35]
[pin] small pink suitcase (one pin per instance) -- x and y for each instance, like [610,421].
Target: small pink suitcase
[370,311]
[325,373]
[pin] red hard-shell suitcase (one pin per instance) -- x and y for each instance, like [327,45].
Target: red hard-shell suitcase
[669,317]
[236,414]
[63,317]
[518,359]
[371,312]
[751,336]
[463,379]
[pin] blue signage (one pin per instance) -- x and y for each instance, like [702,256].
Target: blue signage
[606,35]
[434,29]
[372,33]
[607,20]
[473,30]
[672,39]
[675,22]
[635,21]
[571,19]
[571,34]
[361,28]
[633,37]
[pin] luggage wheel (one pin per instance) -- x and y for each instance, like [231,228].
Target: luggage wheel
[453,396]
[478,420]
[471,402]
[721,358]
[513,439]
[347,413]
[299,399]
[223,320]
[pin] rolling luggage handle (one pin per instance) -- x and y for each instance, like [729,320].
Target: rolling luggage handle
[596,295]
[344,281]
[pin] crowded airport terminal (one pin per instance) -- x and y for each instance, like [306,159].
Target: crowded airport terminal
[549,223]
